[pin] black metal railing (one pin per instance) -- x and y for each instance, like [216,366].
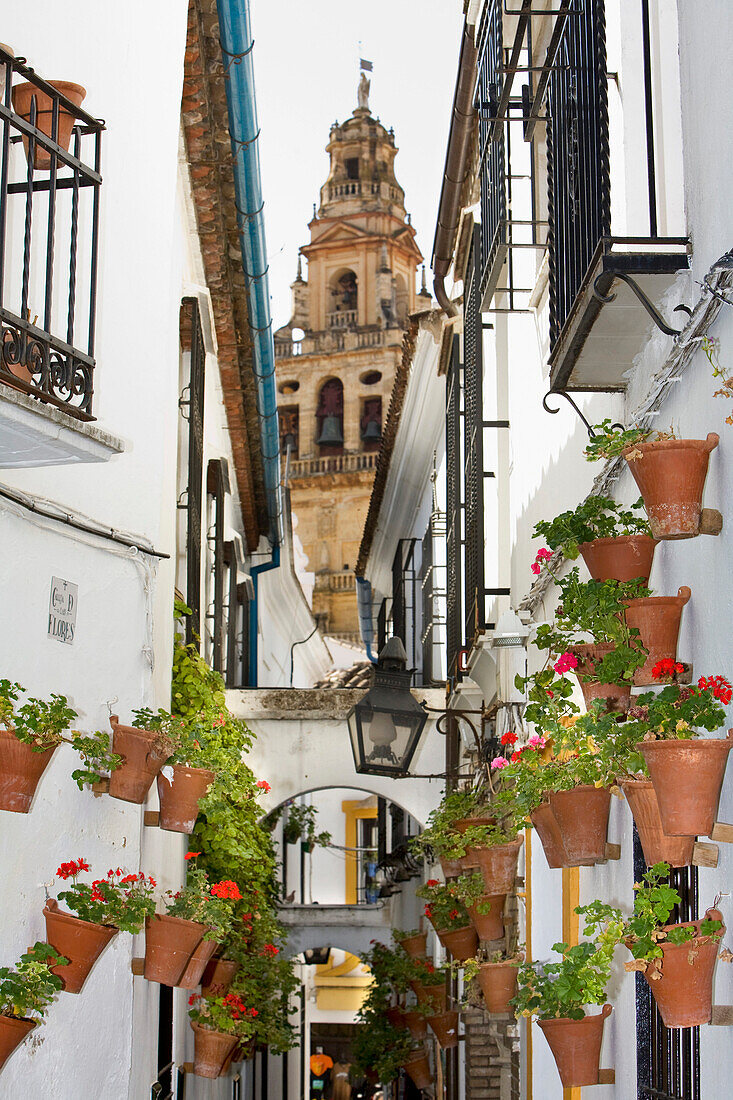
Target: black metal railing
[217,485]
[492,152]
[667,1060]
[49,220]
[578,160]
[473,455]
[404,604]
[432,583]
[192,409]
[454,514]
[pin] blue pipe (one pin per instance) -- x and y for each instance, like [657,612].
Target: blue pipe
[253,647]
[235,37]
[366,621]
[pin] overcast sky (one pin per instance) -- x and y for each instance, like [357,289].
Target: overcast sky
[306,59]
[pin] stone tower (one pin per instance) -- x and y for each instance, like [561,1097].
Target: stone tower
[337,357]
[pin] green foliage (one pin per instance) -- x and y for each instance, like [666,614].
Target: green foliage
[41,723]
[378,1047]
[444,909]
[596,517]
[208,904]
[27,989]
[392,971]
[597,608]
[610,442]
[548,695]
[120,900]
[676,712]
[228,1014]
[301,825]
[439,836]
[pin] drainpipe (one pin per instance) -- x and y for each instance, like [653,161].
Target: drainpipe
[457,160]
[235,36]
[364,609]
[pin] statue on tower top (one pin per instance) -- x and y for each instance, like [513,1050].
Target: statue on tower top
[363,92]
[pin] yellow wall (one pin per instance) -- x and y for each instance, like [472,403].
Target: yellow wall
[353,811]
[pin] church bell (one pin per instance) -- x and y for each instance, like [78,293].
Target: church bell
[331,434]
[372,432]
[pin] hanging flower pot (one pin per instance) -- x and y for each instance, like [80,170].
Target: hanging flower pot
[396,1016]
[687,778]
[498,983]
[582,817]
[489,926]
[22,96]
[433,997]
[461,942]
[218,976]
[451,868]
[445,1028]
[415,946]
[463,824]
[416,1024]
[418,1070]
[657,846]
[498,865]
[211,1050]
[671,476]
[576,1047]
[180,792]
[80,941]
[548,830]
[12,1033]
[617,696]
[657,618]
[197,964]
[169,944]
[682,981]
[141,762]
[20,771]
[623,558]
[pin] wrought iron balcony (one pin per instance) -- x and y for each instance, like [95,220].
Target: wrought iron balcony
[49,235]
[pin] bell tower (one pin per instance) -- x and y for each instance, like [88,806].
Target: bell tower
[338,355]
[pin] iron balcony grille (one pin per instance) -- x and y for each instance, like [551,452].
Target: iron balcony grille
[474,606]
[193,342]
[578,160]
[432,583]
[492,153]
[454,517]
[404,604]
[49,220]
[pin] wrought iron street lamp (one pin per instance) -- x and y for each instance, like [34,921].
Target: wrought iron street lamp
[385,726]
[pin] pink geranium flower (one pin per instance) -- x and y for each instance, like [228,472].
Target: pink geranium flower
[499,762]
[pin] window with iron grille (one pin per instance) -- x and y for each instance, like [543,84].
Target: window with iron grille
[192,407]
[236,660]
[384,623]
[454,513]
[432,584]
[217,486]
[404,602]
[492,152]
[50,163]
[474,610]
[667,1060]
[578,166]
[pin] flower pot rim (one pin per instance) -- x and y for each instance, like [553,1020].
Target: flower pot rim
[605,1012]
[10,730]
[57,84]
[727,741]
[190,768]
[708,444]
[177,920]
[606,539]
[66,915]
[117,725]
[501,963]
[212,1030]
[683,597]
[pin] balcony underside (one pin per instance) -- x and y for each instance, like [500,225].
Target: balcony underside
[349,927]
[600,340]
[33,433]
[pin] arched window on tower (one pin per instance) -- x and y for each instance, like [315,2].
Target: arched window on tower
[371,424]
[288,416]
[344,299]
[330,418]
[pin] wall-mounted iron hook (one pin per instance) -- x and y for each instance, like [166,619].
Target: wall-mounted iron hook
[111,703]
[648,305]
[568,398]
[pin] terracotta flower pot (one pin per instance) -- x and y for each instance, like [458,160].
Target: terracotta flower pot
[418,1070]
[415,946]
[169,944]
[617,696]
[180,797]
[498,983]
[582,817]
[12,1034]
[658,847]
[463,824]
[576,1047]
[657,618]
[671,477]
[498,865]
[416,1024]
[461,942]
[687,778]
[396,1017]
[22,95]
[197,964]
[433,997]
[451,868]
[20,770]
[141,763]
[79,941]
[548,830]
[489,926]
[210,1050]
[623,558]
[445,1028]
[684,991]
[218,976]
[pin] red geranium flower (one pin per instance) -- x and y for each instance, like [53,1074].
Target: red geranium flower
[264,786]
[191,855]
[509,738]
